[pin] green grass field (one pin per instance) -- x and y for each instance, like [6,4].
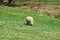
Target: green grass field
[12,25]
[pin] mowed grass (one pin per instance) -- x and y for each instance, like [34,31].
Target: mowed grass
[12,25]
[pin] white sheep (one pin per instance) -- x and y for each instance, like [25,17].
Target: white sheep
[29,20]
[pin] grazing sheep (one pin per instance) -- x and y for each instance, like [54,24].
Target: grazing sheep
[29,20]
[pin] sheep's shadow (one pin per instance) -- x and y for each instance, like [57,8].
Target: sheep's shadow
[28,24]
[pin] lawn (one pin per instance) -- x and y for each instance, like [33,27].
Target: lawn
[13,27]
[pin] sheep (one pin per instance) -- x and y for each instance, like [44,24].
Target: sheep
[29,20]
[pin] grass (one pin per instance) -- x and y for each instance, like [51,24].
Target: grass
[55,2]
[12,25]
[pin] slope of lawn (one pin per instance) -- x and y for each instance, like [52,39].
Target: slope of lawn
[12,25]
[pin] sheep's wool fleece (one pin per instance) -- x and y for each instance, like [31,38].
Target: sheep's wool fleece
[28,18]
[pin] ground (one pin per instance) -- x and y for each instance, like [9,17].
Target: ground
[13,27]
[43,8]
